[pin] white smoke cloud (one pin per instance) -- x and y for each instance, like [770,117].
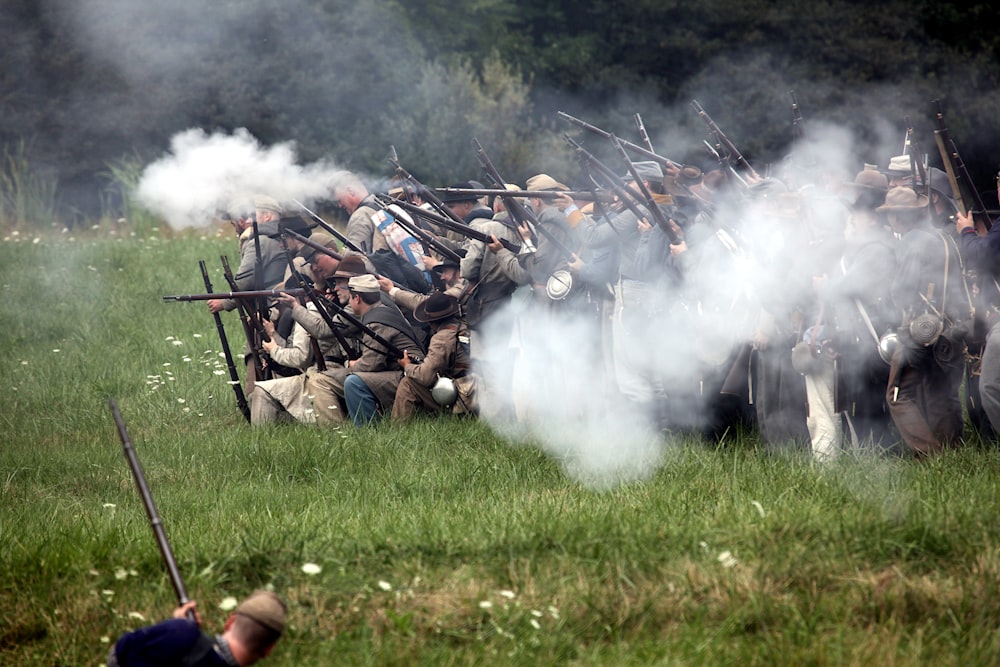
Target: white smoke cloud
[204,174]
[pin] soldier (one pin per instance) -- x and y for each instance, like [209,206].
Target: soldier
[447,357]
[370,388]
[250,635]
[930,295]
[353,197]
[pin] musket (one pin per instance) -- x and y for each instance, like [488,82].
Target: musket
[333,231]
[521,214]
[155,522]
[307,286]
[625,195]
[251,327]
[647,196]
[581,195]
[426,193]
[917,169]
[798,125]
[733,152]
[957,173]
[635,148]
[245,294]
[391,349]
[241,399]
[642,133]
[460,227]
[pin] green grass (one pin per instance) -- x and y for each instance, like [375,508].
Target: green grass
[440,543]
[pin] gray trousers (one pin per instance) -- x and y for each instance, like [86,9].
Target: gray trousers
[989,380]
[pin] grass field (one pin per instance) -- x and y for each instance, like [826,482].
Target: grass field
[438,543]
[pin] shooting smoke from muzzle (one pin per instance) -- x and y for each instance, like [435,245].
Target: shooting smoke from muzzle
[204,173]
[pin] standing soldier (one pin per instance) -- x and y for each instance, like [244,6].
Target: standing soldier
[930,295]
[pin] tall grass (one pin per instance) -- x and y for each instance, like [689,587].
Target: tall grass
[27,195]
[439,543]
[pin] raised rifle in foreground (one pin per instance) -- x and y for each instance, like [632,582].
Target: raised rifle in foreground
[154,516]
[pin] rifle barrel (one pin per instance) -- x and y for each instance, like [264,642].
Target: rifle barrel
[635,148]
[582,195]
[154,516]
[248,294]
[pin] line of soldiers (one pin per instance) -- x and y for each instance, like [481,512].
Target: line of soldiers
[826,312]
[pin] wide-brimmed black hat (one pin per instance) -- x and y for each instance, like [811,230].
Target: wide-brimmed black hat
[438,306]
[446,264]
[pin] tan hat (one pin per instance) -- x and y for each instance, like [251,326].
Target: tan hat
[366,283]
[902,199]
[544,182]
[266,608]
[265,203]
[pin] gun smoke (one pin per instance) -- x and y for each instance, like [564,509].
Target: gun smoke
[204,175]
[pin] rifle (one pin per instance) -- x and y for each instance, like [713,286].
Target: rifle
[155,522]
[635,148]
[625,195]
[917,169]
[647,196]
[581,195]
[426,193]
[642,132]
[246,294]
[958,174]
[307,286]
[391,349]
[241,399]
[460,227]
[333,231]
[733,153]
[798,125]
[251,327]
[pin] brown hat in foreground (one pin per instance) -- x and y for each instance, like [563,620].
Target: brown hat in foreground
[903,199]
[266,608]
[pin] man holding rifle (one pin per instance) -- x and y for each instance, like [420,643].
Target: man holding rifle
[983,255]
[250,634]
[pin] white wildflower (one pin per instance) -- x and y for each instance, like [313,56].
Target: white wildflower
[311,568]
[228,603]
[510,595]
[137,616]
[485,604]
[120,573]
[385,585]
[108,593]
[535,624]
[759,508]
[726,559]
[109,506]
